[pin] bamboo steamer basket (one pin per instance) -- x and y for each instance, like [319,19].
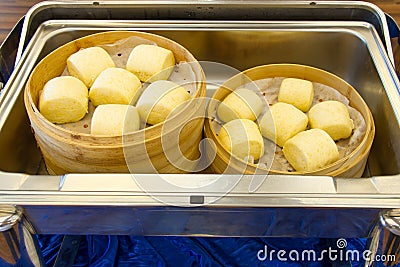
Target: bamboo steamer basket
[351,165]
[145,151]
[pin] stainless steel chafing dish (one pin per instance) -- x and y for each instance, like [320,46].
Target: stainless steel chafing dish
[349,39]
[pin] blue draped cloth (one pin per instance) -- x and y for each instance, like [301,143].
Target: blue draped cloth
[99,251]
[192,251]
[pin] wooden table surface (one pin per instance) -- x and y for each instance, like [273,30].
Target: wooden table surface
[11,11]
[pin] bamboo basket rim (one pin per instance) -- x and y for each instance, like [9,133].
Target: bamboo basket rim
[367,117]
[33,109]
[354,162]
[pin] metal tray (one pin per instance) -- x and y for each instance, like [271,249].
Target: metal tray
[115,204]
[206,10]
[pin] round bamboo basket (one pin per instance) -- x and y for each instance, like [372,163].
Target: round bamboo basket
[66,151]
[351,165]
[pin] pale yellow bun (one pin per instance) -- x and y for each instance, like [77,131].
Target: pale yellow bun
[310,150]
[242,138]
[114,119]
[64,99]
[150,62]
[333,117]
[88,63]
[159,99]
[282,122]
[298,92]
[240,104]
[115,86]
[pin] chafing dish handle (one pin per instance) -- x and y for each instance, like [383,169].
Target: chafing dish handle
[385,240]
[17,240]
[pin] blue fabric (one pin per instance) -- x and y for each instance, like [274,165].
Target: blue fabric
[190,251]
[124,251]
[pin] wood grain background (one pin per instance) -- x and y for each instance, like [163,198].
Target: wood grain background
[12,11]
